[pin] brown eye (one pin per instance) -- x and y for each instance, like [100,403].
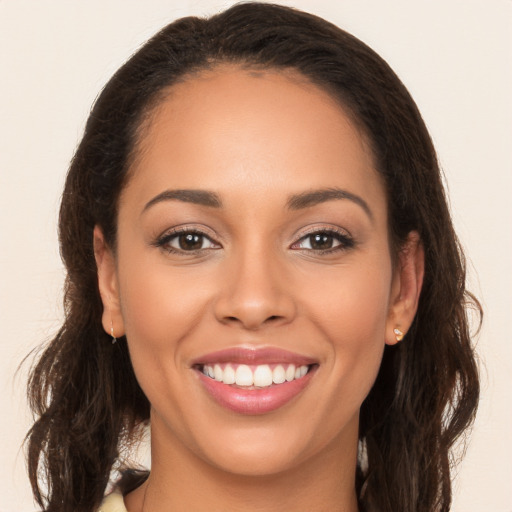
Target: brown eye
[186,241]
[326,241]
[321,241]
[190,241]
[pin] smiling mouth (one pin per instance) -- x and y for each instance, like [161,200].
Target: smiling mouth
[253,381]
[254,376]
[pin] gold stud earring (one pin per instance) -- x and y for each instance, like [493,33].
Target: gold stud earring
[399,335]
[114,339]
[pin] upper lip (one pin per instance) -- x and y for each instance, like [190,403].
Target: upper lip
[253,356]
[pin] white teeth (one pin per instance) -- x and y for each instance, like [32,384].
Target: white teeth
[262,376]
[217,373]
[229,375]
[278,375]
[243,376]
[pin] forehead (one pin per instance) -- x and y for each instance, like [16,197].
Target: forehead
[231,127]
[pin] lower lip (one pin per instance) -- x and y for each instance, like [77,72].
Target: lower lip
[254,401]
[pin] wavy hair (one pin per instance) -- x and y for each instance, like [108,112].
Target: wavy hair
[83,390]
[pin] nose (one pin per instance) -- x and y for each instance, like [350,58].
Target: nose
[254,293]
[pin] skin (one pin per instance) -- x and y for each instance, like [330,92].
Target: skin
[254,139]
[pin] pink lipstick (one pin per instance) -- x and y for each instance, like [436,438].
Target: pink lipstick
[254,381]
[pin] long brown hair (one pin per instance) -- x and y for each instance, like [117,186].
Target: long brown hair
[83,389]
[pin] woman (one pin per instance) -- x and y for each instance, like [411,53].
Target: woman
[261,262]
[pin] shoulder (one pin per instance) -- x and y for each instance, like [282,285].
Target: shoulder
[113,503]
[130,480]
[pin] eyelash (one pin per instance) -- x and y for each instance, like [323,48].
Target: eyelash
[345,241]
[164,241]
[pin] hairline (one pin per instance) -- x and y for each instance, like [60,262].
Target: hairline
[149,113]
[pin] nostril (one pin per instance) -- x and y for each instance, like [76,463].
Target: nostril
[274,319]
[270,319]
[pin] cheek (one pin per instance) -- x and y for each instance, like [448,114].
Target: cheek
[352,316]
[160,306]
[160,309]
[352,302]
[160,314]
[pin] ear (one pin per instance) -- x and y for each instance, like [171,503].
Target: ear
[112,318]
[406,288]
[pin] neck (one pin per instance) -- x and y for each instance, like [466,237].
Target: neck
[323,483]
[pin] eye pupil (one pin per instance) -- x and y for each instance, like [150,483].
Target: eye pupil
[321,241]
[190,241]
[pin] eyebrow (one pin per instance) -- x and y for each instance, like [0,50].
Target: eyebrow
[295,202]
[201,197]
[314,197]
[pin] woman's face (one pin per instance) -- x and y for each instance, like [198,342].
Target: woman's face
[253,247]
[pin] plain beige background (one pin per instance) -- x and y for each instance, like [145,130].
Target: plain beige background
[454,56]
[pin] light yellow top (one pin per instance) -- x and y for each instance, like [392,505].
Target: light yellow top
[113,503]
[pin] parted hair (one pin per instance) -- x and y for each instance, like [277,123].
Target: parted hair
[82,389]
